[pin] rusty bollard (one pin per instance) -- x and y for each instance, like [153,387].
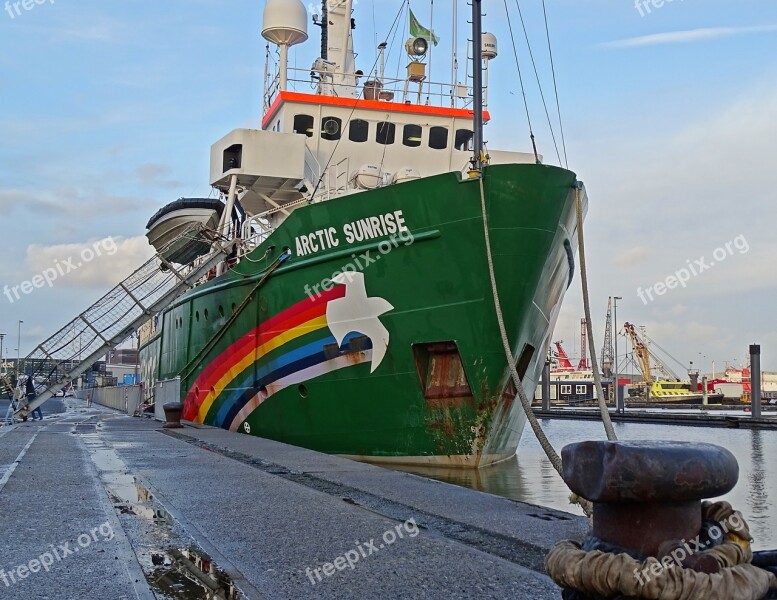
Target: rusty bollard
[648,493]
[173,412]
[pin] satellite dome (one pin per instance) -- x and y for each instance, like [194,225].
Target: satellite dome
[489,45]
[285,22]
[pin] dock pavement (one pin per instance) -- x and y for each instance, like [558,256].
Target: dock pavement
[96,504]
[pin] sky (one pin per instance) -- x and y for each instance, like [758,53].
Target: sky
[669,109]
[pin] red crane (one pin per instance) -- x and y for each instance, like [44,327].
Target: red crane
[583,364]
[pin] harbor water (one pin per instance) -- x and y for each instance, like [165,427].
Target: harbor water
[529,477]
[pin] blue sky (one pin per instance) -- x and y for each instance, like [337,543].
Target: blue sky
[108,109]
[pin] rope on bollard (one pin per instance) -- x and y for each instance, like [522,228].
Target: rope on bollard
[606,574]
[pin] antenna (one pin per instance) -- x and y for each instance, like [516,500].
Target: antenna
[477,83]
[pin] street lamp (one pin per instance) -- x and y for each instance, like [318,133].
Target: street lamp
[2,363]
[620,403]
[19,348]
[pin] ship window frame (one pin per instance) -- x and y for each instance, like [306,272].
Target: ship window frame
[390,135]
[355,127]
[581,389]
[434,133]
[566,388]
[464,144]
[306,128]
[331,137]
[412,135]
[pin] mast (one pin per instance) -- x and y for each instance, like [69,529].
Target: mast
[477,84]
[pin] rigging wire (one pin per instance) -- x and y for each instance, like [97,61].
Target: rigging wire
[391,47]
[520,79]
[555,86]
[353,110]
[539,84]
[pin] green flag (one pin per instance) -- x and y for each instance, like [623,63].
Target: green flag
[418,30]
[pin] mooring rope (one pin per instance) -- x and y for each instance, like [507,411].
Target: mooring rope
[608,428]
[547,447]
[608,574]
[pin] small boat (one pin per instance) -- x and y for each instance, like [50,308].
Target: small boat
[172,220]
[675,392]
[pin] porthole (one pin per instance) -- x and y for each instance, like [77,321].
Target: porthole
[438,138]
[386,133]
[303,391]
[359,130]
[221,311]
[303,124]
[411,136]
[331,128]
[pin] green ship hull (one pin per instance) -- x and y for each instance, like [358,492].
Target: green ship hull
[377,338]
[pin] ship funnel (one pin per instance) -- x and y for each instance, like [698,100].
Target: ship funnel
[285,22]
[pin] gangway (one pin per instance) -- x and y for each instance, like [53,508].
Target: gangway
[102,327]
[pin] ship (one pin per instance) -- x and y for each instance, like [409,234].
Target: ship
[665,387]
[356,315]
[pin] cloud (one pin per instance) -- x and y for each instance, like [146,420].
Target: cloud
[687,37]
[67,201]
[632,256]
[155,175]
[114,260]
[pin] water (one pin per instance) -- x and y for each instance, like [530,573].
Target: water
[530,477]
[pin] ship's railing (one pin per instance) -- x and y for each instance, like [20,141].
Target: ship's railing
[401,90]
[255,231]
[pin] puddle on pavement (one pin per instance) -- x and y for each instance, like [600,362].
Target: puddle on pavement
[186,574]
[173,573]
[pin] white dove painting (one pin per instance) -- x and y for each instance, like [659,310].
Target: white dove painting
[356,312]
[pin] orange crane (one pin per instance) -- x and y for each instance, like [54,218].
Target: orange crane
[643,355]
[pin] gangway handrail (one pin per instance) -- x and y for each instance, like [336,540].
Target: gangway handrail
[120,312]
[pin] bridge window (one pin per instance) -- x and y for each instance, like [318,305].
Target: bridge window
[438,138]
[386,133]
[411,136]
[464,139]
[303,124]
[331,128]
[359,130]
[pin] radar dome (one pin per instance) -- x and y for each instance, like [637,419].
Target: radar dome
[489,45]
[285,22]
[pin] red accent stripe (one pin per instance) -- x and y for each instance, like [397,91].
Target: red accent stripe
[396,107]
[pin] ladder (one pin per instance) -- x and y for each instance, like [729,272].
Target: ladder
[72,350]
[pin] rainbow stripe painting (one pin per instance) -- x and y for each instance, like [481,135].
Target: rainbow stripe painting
[307,340]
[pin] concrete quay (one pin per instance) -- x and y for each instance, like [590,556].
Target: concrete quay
[96,504]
